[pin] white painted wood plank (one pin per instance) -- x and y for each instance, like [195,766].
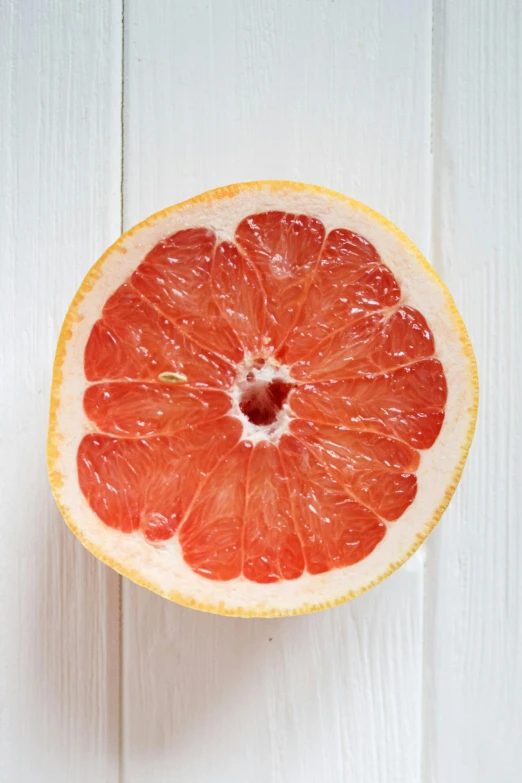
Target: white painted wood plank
[331,697]
[338,94]
[60,149]
[474,699]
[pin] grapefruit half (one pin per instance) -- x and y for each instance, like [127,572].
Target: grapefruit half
[262,401]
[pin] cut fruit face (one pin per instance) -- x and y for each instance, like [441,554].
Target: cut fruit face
[262,402]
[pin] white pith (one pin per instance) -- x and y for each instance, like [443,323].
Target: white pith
[163,566]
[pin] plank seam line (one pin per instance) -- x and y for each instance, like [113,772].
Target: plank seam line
[121,770]
[122,120]
[435,88]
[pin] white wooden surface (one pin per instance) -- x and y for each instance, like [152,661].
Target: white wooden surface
[412,108]
[60,159]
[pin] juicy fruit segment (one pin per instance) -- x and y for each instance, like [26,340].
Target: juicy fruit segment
[336,531]
[215,550]
[272,548]
[262,401]
[135,341]
[143,410]
[141,483]
[407,403]
[285,251]
[375,471]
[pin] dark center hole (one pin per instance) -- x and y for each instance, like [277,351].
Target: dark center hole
[261,402]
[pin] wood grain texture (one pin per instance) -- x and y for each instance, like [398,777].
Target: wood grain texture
[473,724]
[60,150]
[337,94]
[418,681]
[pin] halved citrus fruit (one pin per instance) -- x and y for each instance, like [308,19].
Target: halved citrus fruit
[262,401]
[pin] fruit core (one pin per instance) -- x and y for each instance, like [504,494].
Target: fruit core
[262,394]
[261,401]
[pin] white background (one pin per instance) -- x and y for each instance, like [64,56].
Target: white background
[109,113]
